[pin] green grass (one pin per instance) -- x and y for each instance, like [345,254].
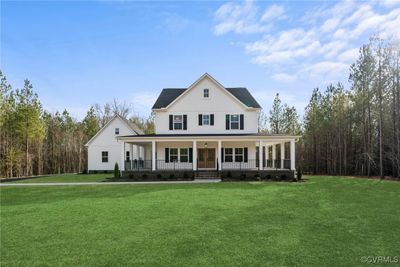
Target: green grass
[326,221]
[68,178]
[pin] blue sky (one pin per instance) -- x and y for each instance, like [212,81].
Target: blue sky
[79,53]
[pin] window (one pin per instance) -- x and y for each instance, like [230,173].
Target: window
[239,154]
[184,155]
[235,122]
[116,130]
[104,156]
[128,158]
[206,93]
[173,154]
[178,121]
[228,154]
[206,119]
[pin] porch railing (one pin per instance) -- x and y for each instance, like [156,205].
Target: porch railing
[140,165]
[175,165]
[250,164]
[137,164]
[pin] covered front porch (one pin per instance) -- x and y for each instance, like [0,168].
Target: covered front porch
[208,153]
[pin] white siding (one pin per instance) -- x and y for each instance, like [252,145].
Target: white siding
[106,141]
[219,103]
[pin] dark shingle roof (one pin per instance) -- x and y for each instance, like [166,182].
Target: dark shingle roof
[170,94]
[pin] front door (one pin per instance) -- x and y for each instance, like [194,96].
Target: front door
[206,158]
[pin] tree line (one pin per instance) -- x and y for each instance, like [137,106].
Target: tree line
[34,141]
[355,130]
[345,131]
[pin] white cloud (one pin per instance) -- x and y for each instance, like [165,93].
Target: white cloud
[349,55]
[322,44]
[390,3]
[245,18]
[273,12]
[284,77]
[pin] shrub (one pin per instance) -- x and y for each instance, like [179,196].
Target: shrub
[131,176]
[299,174]
[283,177]
[229,175]
[171,176]
[144,176]
[117,174]
[268,177]
[84,171]
[185,175]
[94,172]
[159,176]
[243,176]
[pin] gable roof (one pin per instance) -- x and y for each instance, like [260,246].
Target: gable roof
[169,95]
[131,125]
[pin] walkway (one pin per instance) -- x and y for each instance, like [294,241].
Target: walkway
[199,181]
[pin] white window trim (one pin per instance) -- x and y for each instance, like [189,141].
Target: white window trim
[233,152]
[102,157]
[208,93]
[187,154]
[238,121]
[209,119]
[170,154]
[241,154]
[173,122]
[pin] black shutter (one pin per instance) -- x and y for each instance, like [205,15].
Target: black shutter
[190,154]
[167,154]
[212,119]
[171,123]
[241,121]
[227,121]
[257,156]
[263,157]
[245,157]
[200,119]
[222,154]
[185,122]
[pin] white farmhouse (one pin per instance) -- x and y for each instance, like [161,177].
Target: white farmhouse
[204,127]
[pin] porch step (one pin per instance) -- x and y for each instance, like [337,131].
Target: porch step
[206,175]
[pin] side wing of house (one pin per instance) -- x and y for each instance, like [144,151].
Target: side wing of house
[104,150]
[207,108]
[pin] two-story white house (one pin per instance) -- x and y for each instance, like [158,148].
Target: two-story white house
[208,127]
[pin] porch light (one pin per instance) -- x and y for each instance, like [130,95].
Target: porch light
[205,144]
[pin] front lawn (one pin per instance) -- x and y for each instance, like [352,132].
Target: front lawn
[325,221]
[68,178]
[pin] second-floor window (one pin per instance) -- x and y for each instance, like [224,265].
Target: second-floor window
[234,121]
[206,93]
[116,130]
[206,119]
[177,122]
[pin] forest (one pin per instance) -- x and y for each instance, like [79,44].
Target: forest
[352,130]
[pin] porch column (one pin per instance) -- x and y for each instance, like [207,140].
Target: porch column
[260,155]
[219,155]
[292,155]
[153,155]
[273,155]
[194,159]
[122,162]
[137,152]
[282,154]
